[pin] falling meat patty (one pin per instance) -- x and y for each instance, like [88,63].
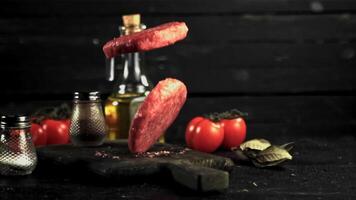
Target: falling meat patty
[156,114]
[149,39]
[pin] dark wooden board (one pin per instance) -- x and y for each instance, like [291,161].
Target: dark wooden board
[113,160]
[260,109]
[69,52]
[279,67]
[292,116]
[275,47]
[227,28]
[282,116]
[163,7]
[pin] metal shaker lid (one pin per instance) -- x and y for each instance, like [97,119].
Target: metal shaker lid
[87,96]
[15,121]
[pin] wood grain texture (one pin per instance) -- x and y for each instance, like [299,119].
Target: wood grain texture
[163,7]
[203,28]
[287,58]
[250,52]
[276,117]
[214,68]
[289,63]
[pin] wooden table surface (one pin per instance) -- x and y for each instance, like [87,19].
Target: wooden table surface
[321,169]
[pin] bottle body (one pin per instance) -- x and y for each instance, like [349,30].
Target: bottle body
[17,151]
[132,84]
[117,114]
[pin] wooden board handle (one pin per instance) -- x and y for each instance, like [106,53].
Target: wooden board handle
[198,178]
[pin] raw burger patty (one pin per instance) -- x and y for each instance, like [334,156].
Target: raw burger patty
[152,38]
[156,114]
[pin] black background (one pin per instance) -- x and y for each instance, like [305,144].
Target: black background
[289,64]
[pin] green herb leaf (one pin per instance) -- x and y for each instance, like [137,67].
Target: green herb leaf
[255,144]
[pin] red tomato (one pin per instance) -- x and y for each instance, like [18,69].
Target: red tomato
[57,131]
[39,136]
[204,135]
[234,132]
[190,130]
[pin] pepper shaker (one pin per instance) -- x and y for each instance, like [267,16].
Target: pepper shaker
[17,151]
[87,121]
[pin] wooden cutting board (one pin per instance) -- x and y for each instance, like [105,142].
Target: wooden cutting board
[193,169]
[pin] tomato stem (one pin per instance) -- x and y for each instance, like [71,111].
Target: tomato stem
[59,112]
[230,114]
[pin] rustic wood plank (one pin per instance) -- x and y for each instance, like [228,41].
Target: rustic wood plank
[277,117]
[274,117]
[260,109]
[231,28]
[54,54]
[233,80]
[279,67]
[24,8]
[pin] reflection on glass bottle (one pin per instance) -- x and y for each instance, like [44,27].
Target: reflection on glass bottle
[131,88]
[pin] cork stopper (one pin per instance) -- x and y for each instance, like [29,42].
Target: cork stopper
[133,20]
[132,24]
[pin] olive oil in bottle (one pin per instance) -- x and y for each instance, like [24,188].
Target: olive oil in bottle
[117,113]
[131,88]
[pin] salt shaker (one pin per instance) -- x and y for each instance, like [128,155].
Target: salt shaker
[87,121]
[17,151]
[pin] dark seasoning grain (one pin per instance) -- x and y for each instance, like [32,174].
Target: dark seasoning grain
[103,154]
[162,153]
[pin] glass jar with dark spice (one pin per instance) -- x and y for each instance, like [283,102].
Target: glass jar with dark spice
[87,121]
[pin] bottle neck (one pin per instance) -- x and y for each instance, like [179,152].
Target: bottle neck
[131,78]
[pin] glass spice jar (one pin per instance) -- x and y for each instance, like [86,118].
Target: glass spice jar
[17,151]
[87,121]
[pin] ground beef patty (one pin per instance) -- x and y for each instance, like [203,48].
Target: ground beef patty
[156,114]
[149,39]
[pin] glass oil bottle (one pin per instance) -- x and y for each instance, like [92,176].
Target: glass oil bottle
[131,87]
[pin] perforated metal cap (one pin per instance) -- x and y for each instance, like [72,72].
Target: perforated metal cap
[87,96]
[18,121]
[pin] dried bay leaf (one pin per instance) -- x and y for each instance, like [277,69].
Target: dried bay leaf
[250,153]
[255,144]
[288,146]
[268,164]
[263,154]
[272,154]
[240,155]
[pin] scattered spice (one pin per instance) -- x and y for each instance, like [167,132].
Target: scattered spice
[103,154]
[162,153]
[149,154]
[255,184]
